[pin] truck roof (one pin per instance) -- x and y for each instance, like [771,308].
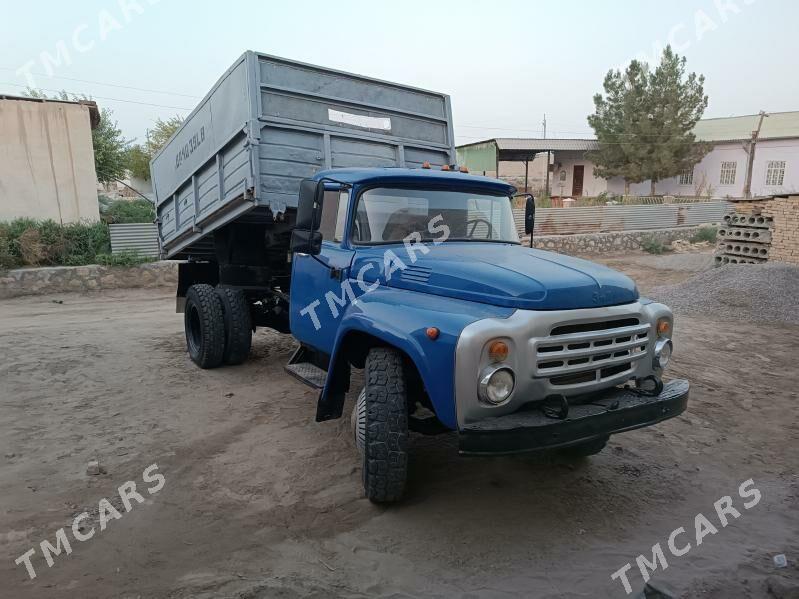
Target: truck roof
[400,176]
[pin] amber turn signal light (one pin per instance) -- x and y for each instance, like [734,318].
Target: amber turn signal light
[498,351]
[664,326]
[432,333]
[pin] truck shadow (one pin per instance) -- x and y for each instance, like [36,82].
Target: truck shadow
[542,489]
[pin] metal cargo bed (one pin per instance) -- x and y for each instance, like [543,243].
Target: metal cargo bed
[270,122]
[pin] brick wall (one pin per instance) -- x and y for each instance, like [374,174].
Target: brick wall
[785,236]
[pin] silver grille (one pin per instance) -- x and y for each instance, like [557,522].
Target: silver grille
[590,356]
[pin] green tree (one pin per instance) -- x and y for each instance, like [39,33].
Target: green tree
[141,154]
[645,119]
[616,123]
[111,149]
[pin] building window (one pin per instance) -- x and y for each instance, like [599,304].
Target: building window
[687,177]
[775,172]
[727,173]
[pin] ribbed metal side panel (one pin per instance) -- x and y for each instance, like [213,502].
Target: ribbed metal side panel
[604,219]
[270,122]
[135,237]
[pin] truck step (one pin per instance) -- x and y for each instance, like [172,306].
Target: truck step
[308,373]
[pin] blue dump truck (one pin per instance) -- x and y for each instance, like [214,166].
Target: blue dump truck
[327,205]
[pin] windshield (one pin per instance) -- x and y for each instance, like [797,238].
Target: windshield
[389,215]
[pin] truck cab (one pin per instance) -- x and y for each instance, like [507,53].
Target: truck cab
[418,277]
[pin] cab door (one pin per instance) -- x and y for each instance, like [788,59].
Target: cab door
[316,279]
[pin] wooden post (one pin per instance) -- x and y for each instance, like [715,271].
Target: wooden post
[751,151]
[526,163]
[548,160]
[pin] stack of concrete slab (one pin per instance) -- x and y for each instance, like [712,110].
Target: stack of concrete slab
[744,239]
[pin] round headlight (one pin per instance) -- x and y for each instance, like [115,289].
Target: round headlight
[663,349]
[496,385]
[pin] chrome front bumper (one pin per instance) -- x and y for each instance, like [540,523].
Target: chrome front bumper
[569,364]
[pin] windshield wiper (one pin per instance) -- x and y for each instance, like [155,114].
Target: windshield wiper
[481,240]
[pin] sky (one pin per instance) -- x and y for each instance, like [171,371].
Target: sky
[505,63]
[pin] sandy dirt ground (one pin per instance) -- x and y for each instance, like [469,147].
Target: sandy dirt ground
[260,501]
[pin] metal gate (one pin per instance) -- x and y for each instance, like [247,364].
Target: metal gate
[135,237]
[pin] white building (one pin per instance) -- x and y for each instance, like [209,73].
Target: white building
[47,160]
[721,173]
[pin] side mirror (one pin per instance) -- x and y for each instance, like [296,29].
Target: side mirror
[305,237]
[529,215]
[304,241]
[309,206]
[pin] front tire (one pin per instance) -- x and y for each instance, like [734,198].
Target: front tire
[384,413]
[238,325]
[204,326]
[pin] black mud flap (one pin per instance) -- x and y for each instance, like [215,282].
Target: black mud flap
[190,273]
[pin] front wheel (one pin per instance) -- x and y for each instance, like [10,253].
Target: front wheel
[380,424]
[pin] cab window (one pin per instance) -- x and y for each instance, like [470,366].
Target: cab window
[334,215]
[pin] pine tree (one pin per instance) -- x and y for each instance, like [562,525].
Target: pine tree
[645,119]
[678,103]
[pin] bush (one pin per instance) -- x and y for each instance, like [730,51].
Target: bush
[31,248]
[705,234]
[652,245]
[127,258]
[26,242]
[7,259]
[126,211]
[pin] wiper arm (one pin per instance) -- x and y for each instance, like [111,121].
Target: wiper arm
[481,240]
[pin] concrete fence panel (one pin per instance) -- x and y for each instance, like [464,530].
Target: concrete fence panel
[606,219]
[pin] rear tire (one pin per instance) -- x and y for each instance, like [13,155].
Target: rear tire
[385,432]
[238,324]
[584,450]
[204,326]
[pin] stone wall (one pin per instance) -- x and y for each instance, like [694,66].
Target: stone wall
[64,279]
[595,243]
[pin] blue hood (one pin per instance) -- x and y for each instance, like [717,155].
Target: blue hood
[500,274]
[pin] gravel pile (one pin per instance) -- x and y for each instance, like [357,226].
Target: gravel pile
[766,292]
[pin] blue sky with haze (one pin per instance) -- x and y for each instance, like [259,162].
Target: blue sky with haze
[505,63]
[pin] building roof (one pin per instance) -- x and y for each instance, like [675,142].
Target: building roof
[778,125]
[94,111]
[527,144]
[542,145]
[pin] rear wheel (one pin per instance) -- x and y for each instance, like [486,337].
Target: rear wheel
[588,448]
[380,424]
[238,324]
[204,326]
